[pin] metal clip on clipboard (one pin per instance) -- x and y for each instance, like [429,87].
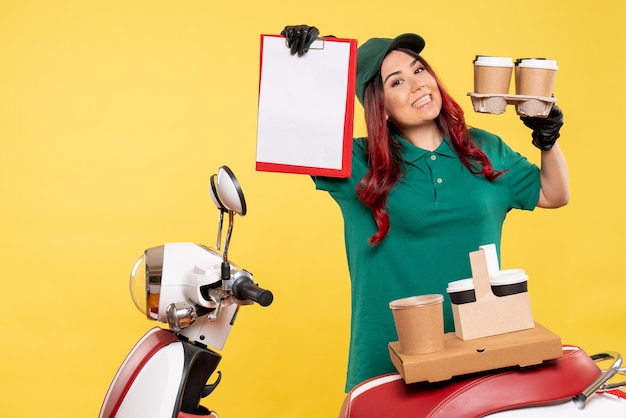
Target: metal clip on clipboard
[319,43]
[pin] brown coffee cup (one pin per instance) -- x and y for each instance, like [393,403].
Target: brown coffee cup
[492,75]
[535,76]
[419,323]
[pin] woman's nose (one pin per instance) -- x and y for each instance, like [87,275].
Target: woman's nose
[416,85]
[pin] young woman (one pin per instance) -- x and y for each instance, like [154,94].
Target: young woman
[426,190]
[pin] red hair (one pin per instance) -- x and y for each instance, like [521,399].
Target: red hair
[383,149]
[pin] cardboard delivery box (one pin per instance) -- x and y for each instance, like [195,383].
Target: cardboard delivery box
[459,357]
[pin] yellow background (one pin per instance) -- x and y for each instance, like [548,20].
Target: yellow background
[113,115]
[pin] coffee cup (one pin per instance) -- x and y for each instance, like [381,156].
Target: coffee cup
[461,291]
[492,75]
[419,323]
[535,76]
[509,282]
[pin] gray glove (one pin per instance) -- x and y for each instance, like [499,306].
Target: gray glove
[545,130]
[300,38]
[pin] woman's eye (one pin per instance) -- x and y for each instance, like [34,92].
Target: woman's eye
[396,83]
[419,70]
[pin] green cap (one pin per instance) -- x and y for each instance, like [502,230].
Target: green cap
[371,54]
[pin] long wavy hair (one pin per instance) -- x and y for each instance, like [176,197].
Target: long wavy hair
[386,166]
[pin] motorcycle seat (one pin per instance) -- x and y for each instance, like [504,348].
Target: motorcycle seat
[476,395]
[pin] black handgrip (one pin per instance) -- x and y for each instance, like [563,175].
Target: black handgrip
[244,288]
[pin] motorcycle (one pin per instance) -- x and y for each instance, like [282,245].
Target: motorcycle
[197,291]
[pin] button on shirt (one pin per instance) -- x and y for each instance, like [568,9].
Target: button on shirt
[439,212]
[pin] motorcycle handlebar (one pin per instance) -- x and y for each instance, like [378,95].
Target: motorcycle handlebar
[244,288]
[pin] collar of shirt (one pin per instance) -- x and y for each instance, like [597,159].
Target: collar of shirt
[412,153]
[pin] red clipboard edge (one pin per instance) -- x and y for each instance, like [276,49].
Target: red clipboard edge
[344,172]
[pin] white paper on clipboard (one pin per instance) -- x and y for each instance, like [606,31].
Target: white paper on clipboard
[306,107]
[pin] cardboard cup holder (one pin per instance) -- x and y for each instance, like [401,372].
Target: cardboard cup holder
[530,106]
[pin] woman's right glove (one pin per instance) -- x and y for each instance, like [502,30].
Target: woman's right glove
[545,130]
[300,38]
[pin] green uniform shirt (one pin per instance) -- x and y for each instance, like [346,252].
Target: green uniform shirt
[439,213]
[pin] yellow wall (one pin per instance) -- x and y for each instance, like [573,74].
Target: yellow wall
[113,115]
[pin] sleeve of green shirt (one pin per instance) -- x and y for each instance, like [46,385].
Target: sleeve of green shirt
[521,175]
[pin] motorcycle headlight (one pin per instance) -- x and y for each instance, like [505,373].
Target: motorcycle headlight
[145,282]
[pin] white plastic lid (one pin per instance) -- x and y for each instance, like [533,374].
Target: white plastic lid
[504,277]
[493,61]
[460,286]
[538,63]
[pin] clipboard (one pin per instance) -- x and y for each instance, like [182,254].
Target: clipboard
[306,107]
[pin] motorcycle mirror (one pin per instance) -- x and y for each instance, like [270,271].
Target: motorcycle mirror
[218,203]
[213,193]
[229,191]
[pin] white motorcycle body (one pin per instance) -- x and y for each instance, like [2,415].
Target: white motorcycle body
[162,376]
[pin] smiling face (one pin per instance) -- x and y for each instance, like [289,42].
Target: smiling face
[412,96]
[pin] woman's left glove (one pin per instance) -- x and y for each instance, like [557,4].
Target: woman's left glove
[545,130]
[300,38]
